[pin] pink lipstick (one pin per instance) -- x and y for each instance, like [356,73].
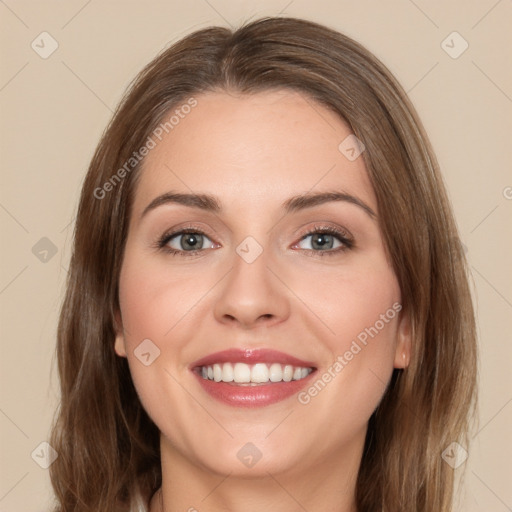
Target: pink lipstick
[252,377]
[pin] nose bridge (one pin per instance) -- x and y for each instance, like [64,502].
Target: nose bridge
[251,292]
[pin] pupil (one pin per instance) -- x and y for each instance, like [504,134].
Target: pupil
[320,241]
[191,240]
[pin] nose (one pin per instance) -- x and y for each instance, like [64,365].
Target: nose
[252,294]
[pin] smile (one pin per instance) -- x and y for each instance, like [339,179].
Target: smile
[252,377]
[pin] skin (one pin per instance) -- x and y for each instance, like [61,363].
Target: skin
[254,152]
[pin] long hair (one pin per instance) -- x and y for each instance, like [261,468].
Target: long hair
[108,447]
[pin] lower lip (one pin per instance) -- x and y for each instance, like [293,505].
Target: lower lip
[253,396]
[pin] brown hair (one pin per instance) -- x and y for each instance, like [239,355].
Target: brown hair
[108,447]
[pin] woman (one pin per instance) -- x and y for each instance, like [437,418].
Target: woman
[267,303]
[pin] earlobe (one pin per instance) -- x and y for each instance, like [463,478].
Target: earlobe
[119,344]
[404,342]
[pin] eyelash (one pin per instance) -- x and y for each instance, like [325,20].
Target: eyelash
[343,237]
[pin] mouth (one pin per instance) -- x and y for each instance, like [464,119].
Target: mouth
[252,377]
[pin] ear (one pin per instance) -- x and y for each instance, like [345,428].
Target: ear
[404,342]
[119,344]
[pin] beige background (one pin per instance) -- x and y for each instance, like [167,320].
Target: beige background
[53,111]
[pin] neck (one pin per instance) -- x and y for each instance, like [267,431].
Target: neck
[328,486]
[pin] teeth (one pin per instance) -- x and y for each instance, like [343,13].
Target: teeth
[217,372]
[228,374]
[276,373]
[242,373]
[259,373]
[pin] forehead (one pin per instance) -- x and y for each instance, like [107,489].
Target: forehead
[252,151]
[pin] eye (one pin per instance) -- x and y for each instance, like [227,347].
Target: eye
[185,241]
[326,241]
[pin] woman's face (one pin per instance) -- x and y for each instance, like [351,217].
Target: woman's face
[299,292]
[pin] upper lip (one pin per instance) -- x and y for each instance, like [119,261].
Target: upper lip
[251,356]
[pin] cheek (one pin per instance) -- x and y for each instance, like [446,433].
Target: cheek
[154,308]
[366,314]
[353,303]
[153,302]
[362,316]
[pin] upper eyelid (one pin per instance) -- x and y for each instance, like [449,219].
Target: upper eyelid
[185,229]
[203,231]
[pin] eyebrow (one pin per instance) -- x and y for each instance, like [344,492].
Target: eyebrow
[210,203]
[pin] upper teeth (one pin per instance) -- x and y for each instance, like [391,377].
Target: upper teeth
[257,373]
